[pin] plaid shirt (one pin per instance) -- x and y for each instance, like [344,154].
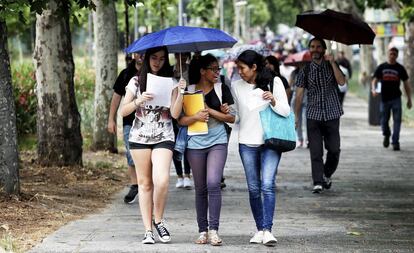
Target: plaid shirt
[323,100]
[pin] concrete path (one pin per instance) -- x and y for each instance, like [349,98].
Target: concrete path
[370,207]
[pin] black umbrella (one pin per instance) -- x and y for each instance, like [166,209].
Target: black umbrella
[337,26]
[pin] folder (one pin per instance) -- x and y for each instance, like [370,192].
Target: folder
[193,103]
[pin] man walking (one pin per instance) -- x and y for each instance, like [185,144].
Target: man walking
[321,78]
[119,91]
[390,74]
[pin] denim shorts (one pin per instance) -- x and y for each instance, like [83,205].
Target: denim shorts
[126,130]
[165,144]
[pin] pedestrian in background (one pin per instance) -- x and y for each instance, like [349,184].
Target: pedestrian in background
[181,70]
[119,91]
[301,123]
[273,64]
[390,74]
[346,69]
[321,78]
[151,141]
[207,153]
[259,162]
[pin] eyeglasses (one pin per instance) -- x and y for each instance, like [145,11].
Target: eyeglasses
[215,69]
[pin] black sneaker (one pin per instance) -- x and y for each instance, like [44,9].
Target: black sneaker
[386,141]
[396,147]
[162,231]
[317,189]
[132,194]
[223,184]
[327,183]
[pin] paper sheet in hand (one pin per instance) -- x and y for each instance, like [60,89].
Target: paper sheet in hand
[192,104]
[255,100]
[161,88]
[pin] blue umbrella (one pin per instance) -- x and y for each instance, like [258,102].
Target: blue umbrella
[180,39]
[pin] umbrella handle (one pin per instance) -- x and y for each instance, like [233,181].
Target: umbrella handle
[181,75]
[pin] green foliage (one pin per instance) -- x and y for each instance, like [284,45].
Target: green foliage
[84,91]
[284,11]
[407,13]
[259,13]
[202,9]
[24,81]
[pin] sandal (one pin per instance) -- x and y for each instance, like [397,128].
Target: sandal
[202,239]
[215,240]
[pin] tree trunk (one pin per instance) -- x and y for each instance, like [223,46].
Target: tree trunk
[58,118]
[367,65]
[409,51]
[9,160]
[105,32]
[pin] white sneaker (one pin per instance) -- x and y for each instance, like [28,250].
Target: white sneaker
[148,238]
[187,183]
[257,238]
[269,239]
[180,182]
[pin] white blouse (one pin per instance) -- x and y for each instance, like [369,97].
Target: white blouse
[250,127]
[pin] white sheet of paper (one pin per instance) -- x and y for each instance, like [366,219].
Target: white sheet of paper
[255,100]
[161,88]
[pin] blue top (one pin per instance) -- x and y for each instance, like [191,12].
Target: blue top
[216,135]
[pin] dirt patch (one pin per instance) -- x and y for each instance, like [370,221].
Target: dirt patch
[53,196]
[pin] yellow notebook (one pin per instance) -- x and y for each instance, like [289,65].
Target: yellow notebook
[193,103]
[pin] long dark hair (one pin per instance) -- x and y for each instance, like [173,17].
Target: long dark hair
[263,74]
[275,62]
[166,69]
[203,62]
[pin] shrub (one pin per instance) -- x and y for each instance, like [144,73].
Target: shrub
[24,82]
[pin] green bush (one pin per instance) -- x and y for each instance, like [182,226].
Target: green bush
[84,92]
[24,82]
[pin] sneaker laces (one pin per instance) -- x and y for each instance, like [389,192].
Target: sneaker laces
[161,227]
[148,233]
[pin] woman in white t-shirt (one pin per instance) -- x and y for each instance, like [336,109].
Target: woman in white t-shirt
[151,141]
[260,163]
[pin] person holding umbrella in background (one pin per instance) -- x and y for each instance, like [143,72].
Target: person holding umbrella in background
[151,141]
[321,78]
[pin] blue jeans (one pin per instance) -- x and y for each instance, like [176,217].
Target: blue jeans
[126,130]
[386,108]
[260,166]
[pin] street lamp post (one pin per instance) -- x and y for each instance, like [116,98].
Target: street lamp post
[237,17]
[136,10]
[180,12]
[221,15]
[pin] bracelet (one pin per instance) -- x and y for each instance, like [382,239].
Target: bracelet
[135,103]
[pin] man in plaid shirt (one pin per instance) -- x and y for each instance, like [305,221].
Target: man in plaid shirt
[321,78]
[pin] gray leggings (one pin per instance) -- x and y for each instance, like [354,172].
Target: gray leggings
[207,166]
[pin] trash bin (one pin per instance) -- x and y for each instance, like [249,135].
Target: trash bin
[374,115]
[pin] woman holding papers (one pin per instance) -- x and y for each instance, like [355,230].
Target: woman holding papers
[207,152]
[260,163]
[151,139]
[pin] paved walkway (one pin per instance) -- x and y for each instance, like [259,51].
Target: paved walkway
[369,209]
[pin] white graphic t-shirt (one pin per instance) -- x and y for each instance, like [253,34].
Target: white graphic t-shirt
[152,124]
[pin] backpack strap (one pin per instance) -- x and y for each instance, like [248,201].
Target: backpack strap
[218,89]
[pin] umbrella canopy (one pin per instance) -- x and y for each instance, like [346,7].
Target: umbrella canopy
[236,51]
[337,26]
[298,59]
[180,39]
